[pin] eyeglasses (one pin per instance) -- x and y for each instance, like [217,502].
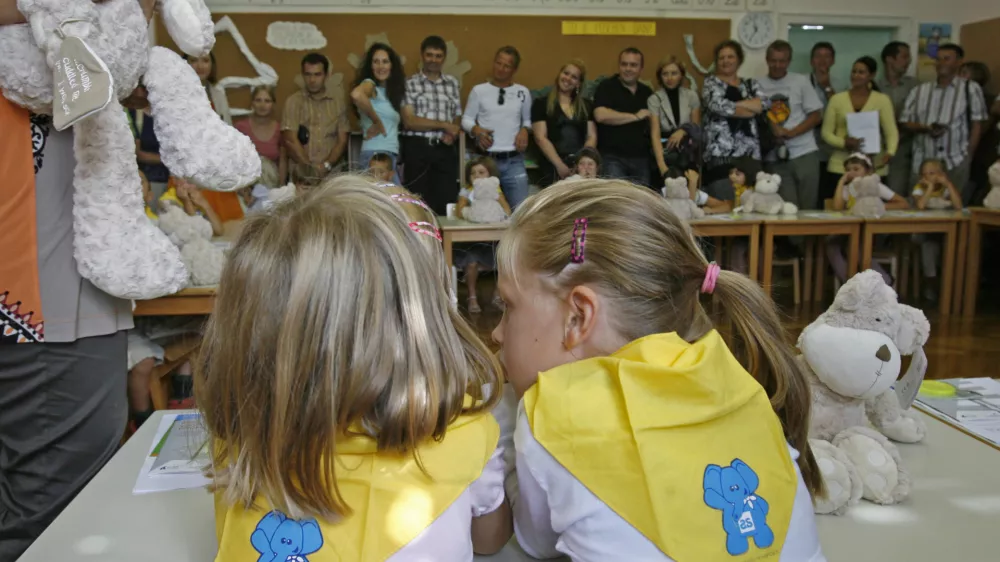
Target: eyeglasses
[500,99]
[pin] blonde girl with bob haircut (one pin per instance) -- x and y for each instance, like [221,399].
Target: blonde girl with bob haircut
[641,433]
[343,395]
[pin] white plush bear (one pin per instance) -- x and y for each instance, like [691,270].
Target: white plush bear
[993,197]
[115,248]
[867,202]
[765,198]
[678,197]
[192,234]
[852,354]
[485,202]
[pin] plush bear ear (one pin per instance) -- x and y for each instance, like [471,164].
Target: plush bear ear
[747,474]
[761,176]
[914,329]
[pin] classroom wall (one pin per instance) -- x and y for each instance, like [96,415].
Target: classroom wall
[980,42]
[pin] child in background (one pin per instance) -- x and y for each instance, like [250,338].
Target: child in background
[189,197]
[935,191]
[601,333]
[380,167]
[857,165]
[477,257]
[312,296]
[588,164]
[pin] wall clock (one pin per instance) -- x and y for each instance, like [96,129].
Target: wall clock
[757,30]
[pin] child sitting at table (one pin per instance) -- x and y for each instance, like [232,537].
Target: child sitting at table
[380,168]
[477,257]
[588,164]
[343,395]
[641,434]
[934,191]
[857,165]
[189,197]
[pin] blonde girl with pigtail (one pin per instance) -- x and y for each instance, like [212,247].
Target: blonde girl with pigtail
[643,433]
[344,395]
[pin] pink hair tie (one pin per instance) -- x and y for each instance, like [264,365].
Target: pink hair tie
[579,243]
[426,228]
[711,275]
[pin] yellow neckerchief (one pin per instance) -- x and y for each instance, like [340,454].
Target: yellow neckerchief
[392,499]
[678,439]
[739,189]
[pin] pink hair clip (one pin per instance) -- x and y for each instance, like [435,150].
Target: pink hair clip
[711,275]
[577,247]
[403,198]
[424,227]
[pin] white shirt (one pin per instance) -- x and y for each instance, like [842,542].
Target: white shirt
[953,105]
[884,192]
[504,119]
[797,92]
[555,514]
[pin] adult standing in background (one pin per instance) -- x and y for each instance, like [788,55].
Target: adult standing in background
[945,117]
[205,67]
[498,116]
[862,97]
[431,114]
[265,132]
[986,154]
[896,59]
[563,123]
[675,119]
[822,57]
[314,125]
[795,111]
[731,109]
[378,95]
[147,148]
[621,110]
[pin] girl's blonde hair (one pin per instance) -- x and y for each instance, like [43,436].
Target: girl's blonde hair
[645,261]
[330,323]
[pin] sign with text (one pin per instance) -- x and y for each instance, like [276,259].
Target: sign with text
[632,28]
[83,85]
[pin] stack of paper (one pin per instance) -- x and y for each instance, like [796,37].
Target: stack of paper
[177,457]
[974,407]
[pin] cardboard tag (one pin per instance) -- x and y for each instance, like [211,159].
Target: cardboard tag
[83,84]
[908,386]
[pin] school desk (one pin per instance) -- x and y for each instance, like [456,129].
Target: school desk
[720,226]
[193,301]
[921,222]
[982,218]
[811,223]
[458,230]
[951,514]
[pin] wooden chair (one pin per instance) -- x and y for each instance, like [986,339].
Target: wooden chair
[174,355]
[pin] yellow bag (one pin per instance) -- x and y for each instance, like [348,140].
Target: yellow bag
[676,438]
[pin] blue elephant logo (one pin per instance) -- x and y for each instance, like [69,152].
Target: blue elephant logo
[730,489]
[280,539]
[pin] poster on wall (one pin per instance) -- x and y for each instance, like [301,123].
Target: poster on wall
[932,36]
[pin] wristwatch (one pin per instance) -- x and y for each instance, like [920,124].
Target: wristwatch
[327,166]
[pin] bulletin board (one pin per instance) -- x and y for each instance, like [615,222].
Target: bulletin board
[539,39]
[980,43]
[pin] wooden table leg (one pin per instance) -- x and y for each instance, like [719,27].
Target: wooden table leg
[447,243]
[754,252]
[852,250]
[972,271]
[807,295]
[768,258]
[960,258]
[820,268]
[948,268]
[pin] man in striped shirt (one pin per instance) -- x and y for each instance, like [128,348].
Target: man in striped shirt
[946,118]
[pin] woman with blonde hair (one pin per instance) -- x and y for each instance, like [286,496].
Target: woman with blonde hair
[265,131]
[346,401]
[563,122]
[674,129]
[642,433]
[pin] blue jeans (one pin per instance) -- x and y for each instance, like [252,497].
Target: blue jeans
[634,169]
[366,156]
[513,179]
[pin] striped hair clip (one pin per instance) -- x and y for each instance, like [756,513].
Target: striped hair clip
[579,243]
[424,227]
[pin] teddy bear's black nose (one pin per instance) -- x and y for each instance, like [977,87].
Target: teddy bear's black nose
[883,354]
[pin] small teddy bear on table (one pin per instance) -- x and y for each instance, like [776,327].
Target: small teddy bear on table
[992,200]
[678,198]
[765,199]
[485,204]
[852,354]
[867,203]
[192,234]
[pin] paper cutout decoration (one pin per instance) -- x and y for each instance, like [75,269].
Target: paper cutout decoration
[295,36]
[356,60]
[266,75]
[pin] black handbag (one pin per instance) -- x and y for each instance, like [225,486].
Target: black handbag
[765,135]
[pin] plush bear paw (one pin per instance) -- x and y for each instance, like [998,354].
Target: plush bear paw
[843,486]
[907,428]
[876,465]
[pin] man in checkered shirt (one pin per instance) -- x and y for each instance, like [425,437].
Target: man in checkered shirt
[432,114]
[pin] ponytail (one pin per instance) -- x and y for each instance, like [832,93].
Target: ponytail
[760,343]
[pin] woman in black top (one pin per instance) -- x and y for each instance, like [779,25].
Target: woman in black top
[563,123]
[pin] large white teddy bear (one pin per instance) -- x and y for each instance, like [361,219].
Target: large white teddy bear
[853,354]
[115,247]
[992,200]
[765,198]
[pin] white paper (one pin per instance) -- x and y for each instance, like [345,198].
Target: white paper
[908,386]
[985,387]
[147,483]
[978,415]
[865,126]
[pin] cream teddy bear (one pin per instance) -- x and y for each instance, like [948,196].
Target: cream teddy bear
[852,354]
[765,198]
[115,247]
[992,200]
[484,204]
[678,197]
[867,203]
[192,234]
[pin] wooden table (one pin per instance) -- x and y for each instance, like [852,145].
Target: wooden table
[981,218]
[811,223]
[458,230]
[733,225]
[193,301]
[916,222]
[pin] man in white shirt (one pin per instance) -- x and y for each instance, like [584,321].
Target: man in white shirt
[798,110]
[498,117]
